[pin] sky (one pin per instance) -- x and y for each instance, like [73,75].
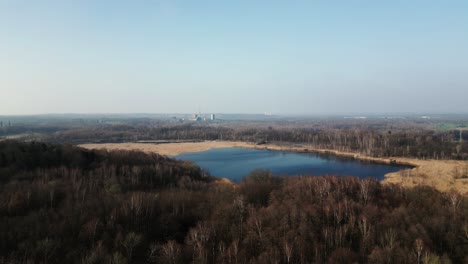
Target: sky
[283,57]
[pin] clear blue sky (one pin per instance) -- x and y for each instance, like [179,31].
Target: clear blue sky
[285,57]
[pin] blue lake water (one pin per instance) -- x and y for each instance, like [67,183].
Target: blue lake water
[236,163]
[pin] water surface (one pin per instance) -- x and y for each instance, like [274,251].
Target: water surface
[236,163]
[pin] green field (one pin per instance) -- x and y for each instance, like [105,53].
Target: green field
[451,126]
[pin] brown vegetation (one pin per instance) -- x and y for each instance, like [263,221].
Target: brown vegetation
[443,175]
[169,149]
[62,204]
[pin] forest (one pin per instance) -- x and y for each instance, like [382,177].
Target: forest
[370,139]
[63,204]
[440,138]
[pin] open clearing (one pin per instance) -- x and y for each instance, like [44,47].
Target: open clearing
[169,149]
[444,175]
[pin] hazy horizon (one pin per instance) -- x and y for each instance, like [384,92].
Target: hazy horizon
[242,57]
[279,115]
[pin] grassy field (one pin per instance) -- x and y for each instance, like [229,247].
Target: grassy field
[451,126]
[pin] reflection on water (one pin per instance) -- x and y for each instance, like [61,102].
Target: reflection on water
[235,163]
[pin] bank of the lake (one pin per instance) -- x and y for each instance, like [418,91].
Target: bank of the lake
[443,175]
[236,163]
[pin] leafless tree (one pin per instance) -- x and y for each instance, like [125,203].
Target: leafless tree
[239,205]
[130,242]
[454,198]
[389,239]
[198,238]
[288,250]
[170,251]
[418,247]
[364,186]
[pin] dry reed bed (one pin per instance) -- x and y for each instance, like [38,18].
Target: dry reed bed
[444,175]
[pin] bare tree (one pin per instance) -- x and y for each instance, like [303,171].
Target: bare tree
[454,198]
[365,228]
[130,242]
[47,248]
[364,186]
[153,252]
[389,239]
[419,247]
[233,252]
[239,205]
[198,238]
[288,250]
[322,187]
[170,251]
[118,258]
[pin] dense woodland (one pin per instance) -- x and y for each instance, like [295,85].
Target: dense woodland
[63,204]
[372,139]
[443,138]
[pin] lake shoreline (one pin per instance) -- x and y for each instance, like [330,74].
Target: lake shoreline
[440,174]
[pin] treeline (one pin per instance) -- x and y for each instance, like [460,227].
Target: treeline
[7,130]
[63,204]
[382,142]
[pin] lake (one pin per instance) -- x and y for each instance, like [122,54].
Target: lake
[236,163]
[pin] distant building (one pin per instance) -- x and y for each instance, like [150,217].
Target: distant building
[212,117]
[196,117]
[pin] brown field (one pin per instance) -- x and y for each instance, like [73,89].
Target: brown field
[444,175]
[169,149]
